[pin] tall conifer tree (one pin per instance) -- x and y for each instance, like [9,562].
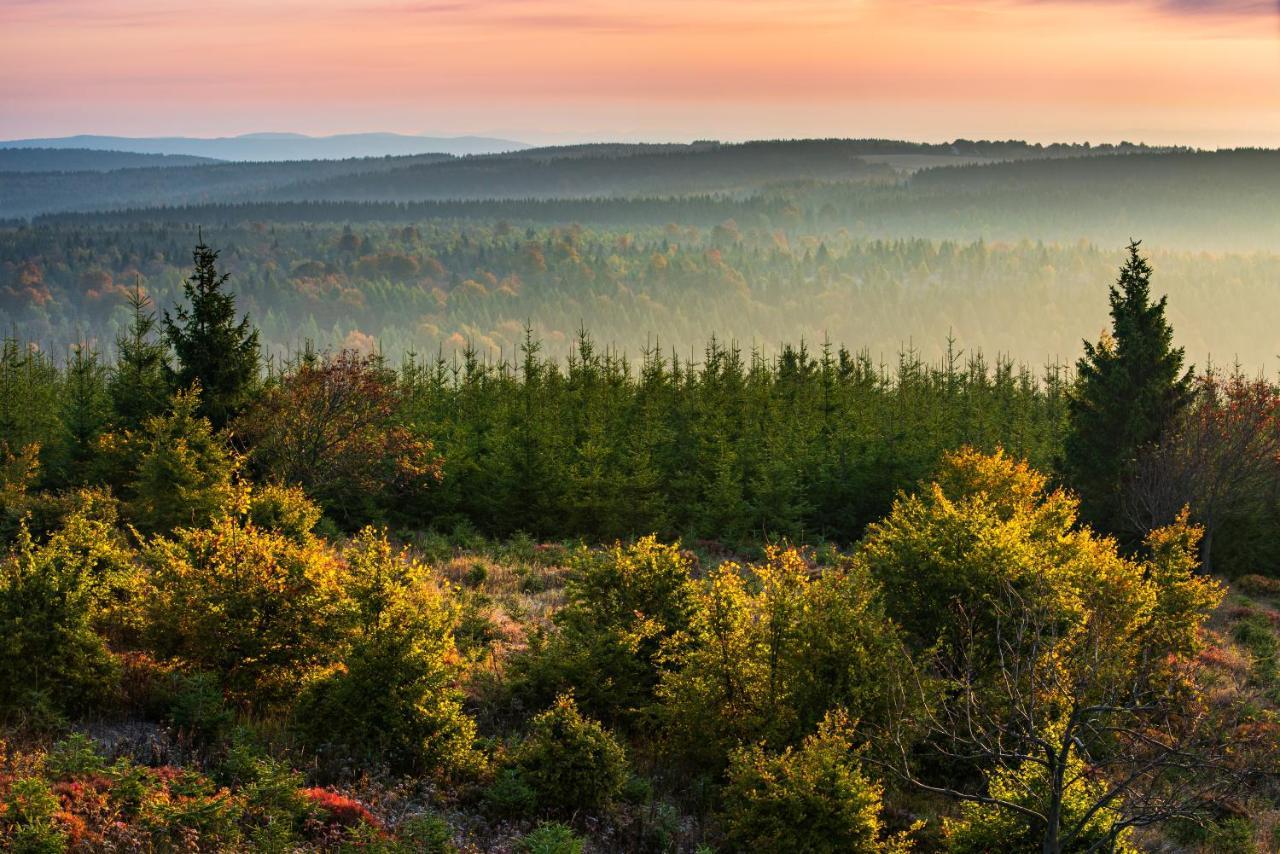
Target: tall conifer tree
[1129,387]
[213,350]
[139,387]
[85,411]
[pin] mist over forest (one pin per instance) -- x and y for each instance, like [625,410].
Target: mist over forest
[876,245]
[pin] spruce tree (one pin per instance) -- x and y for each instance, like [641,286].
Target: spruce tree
[184,470]
[139,387]
[1129,387]
[213,350]
[84,413]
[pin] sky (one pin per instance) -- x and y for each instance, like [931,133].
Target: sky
[1194,72]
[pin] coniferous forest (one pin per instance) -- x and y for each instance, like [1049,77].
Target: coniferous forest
[814,497]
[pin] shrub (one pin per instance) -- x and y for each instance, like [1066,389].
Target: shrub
[551,837]
[253,606]
[394,697]
[771,649]
[52,661]
[283,509]
[271,792]
[88,535]
[426,834]
[198,708]
[73,756]
[190,811]
[981,828]
[29,821]
[814,798]
[18,471]
[509,795]
[622,606]
[987,526]
[184,472]
[339,809]
[571,762]
[332,427]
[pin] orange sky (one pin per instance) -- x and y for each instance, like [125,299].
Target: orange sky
[1203,72]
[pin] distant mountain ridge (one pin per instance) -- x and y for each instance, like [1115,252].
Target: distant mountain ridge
[601,170]
[89,160]
[279,146]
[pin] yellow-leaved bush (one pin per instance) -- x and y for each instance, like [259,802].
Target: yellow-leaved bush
[57,599]
[981,828]
[1043,644]
[257,607]
[812,798]
[394,697]
[770,649]
[988,527]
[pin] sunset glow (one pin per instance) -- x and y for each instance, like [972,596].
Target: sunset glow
[1179,71]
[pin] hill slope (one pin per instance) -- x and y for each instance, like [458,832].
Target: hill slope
[281,146]
[88,160]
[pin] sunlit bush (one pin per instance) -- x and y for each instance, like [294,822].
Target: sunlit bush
[394,698]
[255,607]
[283,509]
[52,660]
[812,798]
[981,828]
[571,762]
[771,649]
[184,471]
[987,525]
[622,606]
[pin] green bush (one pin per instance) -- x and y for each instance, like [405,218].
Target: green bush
[814,798]
[1232,836]
[981,828]
[394,698]
[271,792]
[52,660]
[198,708]
[184,471]
[623,606]
[509,795]
[425,834]
[551,837]
[192,809]
[73,756]
[571,762]
[27,823]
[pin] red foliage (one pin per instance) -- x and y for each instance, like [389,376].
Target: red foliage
[86,810]
[339,809]
[332,426]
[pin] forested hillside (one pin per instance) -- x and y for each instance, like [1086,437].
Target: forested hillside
[87,160]
[26,193]
[740,601]
[441,285]
[279,146]
[584,171]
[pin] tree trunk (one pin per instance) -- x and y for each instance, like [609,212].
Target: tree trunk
[1206,550]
